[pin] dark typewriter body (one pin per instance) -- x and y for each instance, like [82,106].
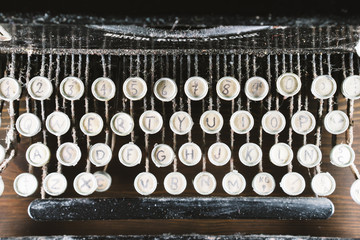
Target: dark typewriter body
[179,48]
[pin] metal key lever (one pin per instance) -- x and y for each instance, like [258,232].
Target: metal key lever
[60,209]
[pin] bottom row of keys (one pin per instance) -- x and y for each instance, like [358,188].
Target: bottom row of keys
[145,183]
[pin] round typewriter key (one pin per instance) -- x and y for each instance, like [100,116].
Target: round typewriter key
[103,89]
[309,155]
[303,122]
[219,154]
[10,89]
[72,88]
[2,154]
[250,154]
[323,184]
[281,154]
[57,123]
[25,184]
[241,122]
[293,183]
[162,155]
[85,184]
[165,89]
[228,88]
[134,88]
[288,84]
[103,180]
[190,154]
[2,186]
[150,122]
[233,183]
[323,87]
[91,124]
[175,183]
[40,88]
[122,124]
[263,183]
[355,191]
[196,88]
[100,154]
[256,88]
[55,184]
[38,154]
[350,87]
[130,155]
[145,183]
[68,154]
[181,123]
[273,122]
[336,122]
[211,122]
[342,155]
[28,124]
[204,183]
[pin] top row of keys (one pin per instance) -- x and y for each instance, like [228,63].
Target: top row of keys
[165,89]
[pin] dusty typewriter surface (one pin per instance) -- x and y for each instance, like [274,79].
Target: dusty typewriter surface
[261,118]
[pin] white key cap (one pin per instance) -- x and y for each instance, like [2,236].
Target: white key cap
[303,122]
[85,184]
[181,123]
[219,154]
[190,154]
[28,124]
[228,88]
[103,180]
[288,84]
[2,186]
[204,183]
[273,122]
[38,154]
[25,184]
[336,122]
[241,122]
[55,184]
[293,183]
[151,122]
[58,123]
[234,183]
[281,154]
[130,155]
[256,88]
[100,154]
[355,191]
[72,88]
[350,87]
[145,183]
[68,154]
[2,154]
[263,183]
[91,124]
[250,154]
[323,184]
[122,124]
[309,155]
[175,183]
[165,89]
[103,89]
[40,88]
[323,87]
[10,89]
[134,88]
[196,88]
[211,122]
[162,155]
[342,155]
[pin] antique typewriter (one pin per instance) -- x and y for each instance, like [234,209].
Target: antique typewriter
[198,125]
